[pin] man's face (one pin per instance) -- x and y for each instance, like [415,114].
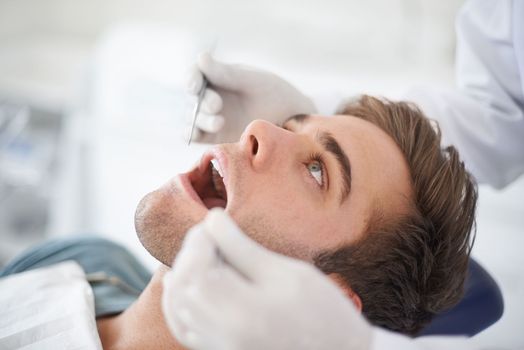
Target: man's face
[311,186]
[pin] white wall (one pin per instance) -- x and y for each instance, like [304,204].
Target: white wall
[44,43]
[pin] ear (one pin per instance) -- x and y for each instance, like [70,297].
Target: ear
[347,290]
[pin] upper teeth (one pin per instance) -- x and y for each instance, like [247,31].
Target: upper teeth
[216,165]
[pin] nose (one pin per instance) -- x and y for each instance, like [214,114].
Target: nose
[262,140]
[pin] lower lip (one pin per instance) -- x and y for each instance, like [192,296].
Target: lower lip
[188,188]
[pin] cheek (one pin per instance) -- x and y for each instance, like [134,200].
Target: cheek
[297,221]
[283,212]
[287,202]
[283,231]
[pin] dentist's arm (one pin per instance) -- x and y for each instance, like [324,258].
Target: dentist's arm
[227,292]
[484,116]
[237,95]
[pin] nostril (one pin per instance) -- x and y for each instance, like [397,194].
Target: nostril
[254,143]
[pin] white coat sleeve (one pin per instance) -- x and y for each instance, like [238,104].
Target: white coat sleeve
[484,116]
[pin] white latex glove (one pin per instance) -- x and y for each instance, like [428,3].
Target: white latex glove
[237,95]
[226,291]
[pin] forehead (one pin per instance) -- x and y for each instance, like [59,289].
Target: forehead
[380,173]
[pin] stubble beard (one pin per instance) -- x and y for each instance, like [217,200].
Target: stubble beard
[161,224]
[162,220]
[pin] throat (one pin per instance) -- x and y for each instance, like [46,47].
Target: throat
[214,203]
[109,331]
[126,330]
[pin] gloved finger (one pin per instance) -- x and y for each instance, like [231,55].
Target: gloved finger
[173,309]
[245,255]
[176,326]
[210,123]
[195,258]
[174,323]
[196,332]
[197,254]
[186,132]
[184,332]
[224,287]
[194,80]
[199,135]
[214,298]
[211,103]
[195,317]
[226,76]
[198,341]
[200,337]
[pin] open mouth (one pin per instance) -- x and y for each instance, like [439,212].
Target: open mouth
[209,185]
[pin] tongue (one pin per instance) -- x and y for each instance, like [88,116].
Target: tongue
[214,202]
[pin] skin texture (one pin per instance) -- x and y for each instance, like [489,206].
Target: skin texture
[274,198]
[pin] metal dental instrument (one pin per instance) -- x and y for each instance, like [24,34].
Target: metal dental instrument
[197,107]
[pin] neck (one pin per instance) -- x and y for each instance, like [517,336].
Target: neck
[142,325]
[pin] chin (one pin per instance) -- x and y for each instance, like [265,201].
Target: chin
[161,224]
[164,216]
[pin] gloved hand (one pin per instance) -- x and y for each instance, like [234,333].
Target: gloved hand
[226,291]
[237,95]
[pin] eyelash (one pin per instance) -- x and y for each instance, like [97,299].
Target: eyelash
[317,157]
[313,157]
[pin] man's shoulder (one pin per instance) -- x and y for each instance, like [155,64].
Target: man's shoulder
[91,252]
[116,276]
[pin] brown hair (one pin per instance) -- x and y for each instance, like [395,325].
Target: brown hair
[407,269]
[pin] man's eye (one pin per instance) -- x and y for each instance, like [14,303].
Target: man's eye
[315,169]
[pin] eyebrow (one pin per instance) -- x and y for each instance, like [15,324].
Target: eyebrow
[331,145]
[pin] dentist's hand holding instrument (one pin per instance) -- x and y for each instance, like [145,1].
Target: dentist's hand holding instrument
[237,95]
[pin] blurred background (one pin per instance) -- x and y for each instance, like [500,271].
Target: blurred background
[92,104]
